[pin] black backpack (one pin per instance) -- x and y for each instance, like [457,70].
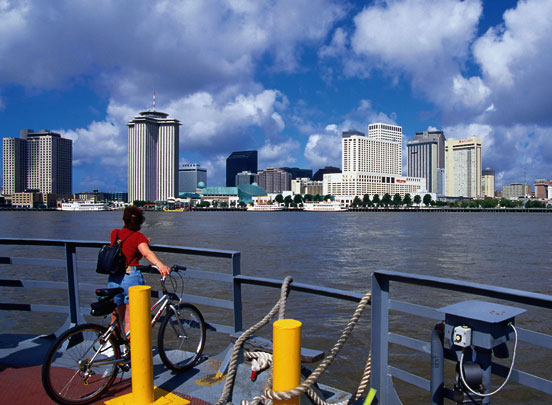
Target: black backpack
[111,259]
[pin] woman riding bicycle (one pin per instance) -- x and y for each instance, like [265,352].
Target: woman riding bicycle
[135,245]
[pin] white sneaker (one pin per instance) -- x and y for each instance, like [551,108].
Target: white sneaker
[108,352]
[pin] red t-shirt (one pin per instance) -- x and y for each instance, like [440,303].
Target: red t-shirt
[130,245]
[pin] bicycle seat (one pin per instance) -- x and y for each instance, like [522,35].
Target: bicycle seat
[108,292]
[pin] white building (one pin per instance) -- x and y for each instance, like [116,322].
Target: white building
[463,167]
[39,161]
[348,185]
[153,157]
[371,165]
[380,152]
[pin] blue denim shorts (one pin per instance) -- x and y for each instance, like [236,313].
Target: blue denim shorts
[125,281]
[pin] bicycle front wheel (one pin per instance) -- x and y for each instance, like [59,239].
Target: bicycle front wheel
[181,337]
[69,375]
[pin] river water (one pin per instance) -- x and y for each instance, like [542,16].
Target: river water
[339,250]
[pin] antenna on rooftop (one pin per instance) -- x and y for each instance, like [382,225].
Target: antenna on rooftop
[154,101]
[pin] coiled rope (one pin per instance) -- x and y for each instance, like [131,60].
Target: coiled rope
[305,387]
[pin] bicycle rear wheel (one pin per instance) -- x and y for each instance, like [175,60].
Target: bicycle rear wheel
[68,376]
[181,337]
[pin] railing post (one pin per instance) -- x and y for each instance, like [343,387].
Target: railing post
[75,317]
[236,271]
[380,337]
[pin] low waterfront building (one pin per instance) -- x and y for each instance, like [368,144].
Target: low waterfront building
[543,188]
[361,183]
[189,176]
[246,178]
[513,191]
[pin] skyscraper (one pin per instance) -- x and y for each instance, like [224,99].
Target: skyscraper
[380,152]
[237,162]
[488,183]
[426,155]
[463,167]
[152,157]
[371,165]
[189,176]
[40,161]
[274,180]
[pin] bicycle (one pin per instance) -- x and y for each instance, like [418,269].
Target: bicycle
[84,361]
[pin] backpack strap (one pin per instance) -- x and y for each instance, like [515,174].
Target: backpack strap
[118,242]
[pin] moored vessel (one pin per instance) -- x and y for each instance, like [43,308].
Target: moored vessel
[332,206]
[265,207]
[83,206]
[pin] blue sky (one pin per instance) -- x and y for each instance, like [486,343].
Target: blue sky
[283,77]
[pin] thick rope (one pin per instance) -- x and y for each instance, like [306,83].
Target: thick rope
[233,366]
[305,385]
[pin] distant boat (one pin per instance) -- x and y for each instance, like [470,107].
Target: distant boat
[265,207]
[332,206]
[174,210]
[84,206]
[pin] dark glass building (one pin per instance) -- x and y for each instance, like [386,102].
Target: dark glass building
[297,173]
[237,162]
[319,175]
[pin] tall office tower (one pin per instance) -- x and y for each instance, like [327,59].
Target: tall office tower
[391,154]
[153,157]
[463,167]
[40,161]
[380,152]
[426,155]
[189,176]
[488,183]
[274,180]
[243,161]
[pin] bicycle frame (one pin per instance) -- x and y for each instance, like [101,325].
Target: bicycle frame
[160,305]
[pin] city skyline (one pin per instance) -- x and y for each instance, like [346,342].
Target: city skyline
[283,78]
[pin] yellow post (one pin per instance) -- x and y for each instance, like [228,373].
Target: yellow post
[141,355]
[286,357]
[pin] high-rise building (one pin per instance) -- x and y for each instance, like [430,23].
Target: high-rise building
[189,175]
[242,161]
[371,165]
[153,157]
[39,161]
[380,152]
[274,180]
[488,183]
[425,156]
[463,167]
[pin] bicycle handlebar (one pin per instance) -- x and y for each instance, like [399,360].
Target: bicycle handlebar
[152,269]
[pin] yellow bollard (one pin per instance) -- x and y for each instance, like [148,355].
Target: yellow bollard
[286,357]
[141,355]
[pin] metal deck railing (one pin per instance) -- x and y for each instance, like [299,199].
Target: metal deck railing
[382,304]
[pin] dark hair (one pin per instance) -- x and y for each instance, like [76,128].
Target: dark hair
[133,217]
